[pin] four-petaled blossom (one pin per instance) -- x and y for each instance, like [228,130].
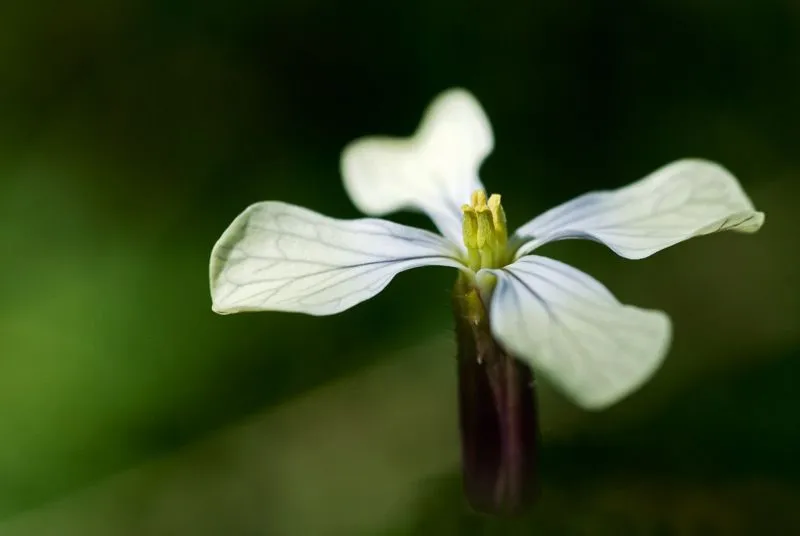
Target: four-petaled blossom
[559,320]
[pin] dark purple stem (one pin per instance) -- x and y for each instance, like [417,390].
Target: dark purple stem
[498,416]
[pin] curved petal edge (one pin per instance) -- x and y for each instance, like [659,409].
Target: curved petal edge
[679,201]
[570,328]
[434,171]
[281,257]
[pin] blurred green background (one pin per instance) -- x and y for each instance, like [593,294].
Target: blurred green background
[132,132]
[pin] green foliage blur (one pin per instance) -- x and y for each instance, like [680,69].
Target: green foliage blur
[133,132]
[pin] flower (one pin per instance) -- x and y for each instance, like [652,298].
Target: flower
[555,318]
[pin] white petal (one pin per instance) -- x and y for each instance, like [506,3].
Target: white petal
[280,257]
[435,171]
[570,328]
[679,201]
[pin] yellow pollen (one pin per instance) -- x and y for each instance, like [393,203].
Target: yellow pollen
[470,227]
[485,232]
[478,199]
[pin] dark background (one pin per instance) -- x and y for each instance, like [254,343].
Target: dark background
[131,133]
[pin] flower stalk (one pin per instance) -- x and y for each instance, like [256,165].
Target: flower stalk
[498,417]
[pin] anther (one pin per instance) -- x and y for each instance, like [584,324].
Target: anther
[484,229]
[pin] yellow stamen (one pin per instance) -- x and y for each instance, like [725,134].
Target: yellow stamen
[478,199]
[498,219]
[485,228]
[470,231]
[485,232]
[470,227]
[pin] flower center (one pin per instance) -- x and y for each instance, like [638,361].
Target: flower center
[485,232]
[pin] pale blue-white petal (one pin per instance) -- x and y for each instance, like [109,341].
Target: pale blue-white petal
[679,201]
[435,171]
[281,257]
[571,329]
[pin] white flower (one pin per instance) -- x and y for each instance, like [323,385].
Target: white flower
[562,322]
